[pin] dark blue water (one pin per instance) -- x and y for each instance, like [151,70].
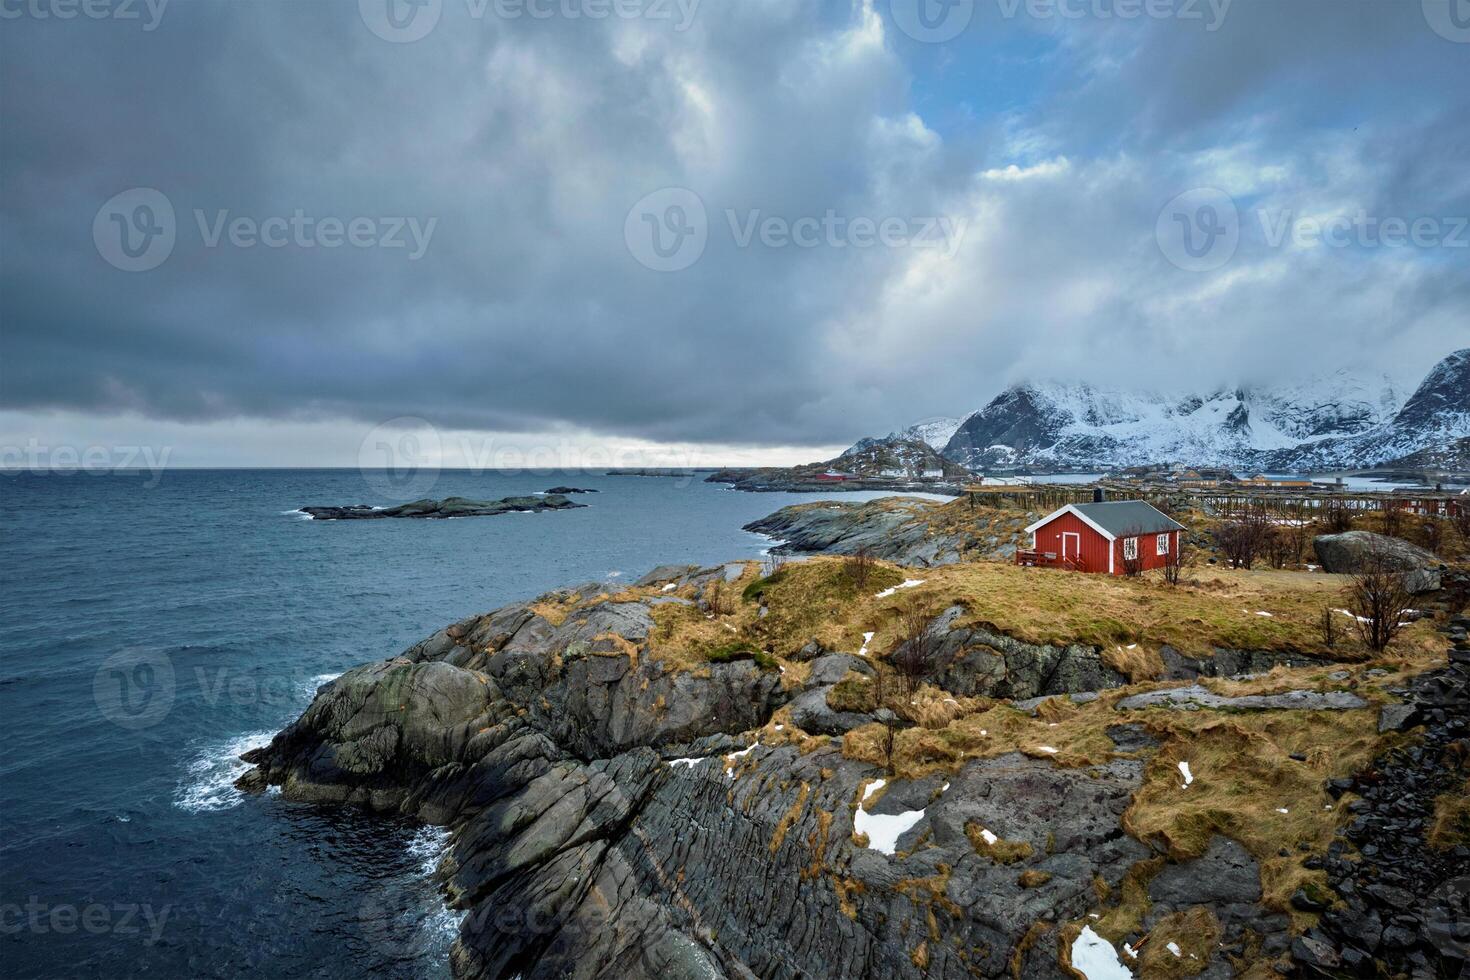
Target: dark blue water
[153,628]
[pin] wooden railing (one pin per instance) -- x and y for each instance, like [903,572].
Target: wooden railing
[1048,559]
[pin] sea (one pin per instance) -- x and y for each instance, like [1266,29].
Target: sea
[153,626]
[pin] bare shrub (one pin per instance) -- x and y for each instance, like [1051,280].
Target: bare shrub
[1391,518]
[913,655]
[772,564]
[859,567]
[1279,547]
[1432,535]
[1378,598]
[1460,519]
[1174,564]
[1336,516]
[1242,539]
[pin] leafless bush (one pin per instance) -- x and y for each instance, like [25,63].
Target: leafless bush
[1279,547]
[859,566]
[1336,516]
[913,656]
[1391,514]
[1460,519]
[1432,534]
[1174,564]
[1242,539]
[772,564]
[1379,598]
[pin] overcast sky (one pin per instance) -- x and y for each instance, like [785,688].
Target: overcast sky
[252,231]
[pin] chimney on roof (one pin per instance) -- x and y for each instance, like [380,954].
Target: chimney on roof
[1099,495]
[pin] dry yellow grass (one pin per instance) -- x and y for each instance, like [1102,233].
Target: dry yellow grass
[1451,819]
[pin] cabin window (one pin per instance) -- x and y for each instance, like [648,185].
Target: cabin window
[1130,549]
[1163,545]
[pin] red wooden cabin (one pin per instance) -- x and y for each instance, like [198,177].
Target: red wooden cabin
[1103,537]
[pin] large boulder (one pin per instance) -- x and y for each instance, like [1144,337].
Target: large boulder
[1347,552]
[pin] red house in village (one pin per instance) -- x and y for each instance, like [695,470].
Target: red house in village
[1103,537]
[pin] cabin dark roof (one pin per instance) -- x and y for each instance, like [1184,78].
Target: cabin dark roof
[1126,517]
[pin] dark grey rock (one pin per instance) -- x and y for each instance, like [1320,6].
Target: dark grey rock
[1346,552]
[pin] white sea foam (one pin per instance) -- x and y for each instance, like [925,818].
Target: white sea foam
[298,513]
[429,845]
[209,777]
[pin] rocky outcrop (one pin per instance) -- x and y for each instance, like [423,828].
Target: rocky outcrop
[618,815]
[567,490]
[1194,698]
[1350,551]
[448,507]
[898,530]
[1398,905]
[980,661]
[610,821]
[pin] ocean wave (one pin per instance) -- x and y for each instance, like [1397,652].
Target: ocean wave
[209,778]
[310,685]
[299,514]
[429,845]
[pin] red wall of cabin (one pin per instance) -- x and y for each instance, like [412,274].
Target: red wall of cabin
[1094,547]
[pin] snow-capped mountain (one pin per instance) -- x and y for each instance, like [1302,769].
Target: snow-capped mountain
[936,432]
[1342,420]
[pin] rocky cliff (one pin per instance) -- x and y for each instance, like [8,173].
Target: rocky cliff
[662,783]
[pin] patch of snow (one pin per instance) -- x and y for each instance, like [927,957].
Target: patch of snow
[1282,809]
[1263,613]
[867,638]
[1047,749]
[1132,953]
[1174,948]
[1184,771]
[884,829]
[742,753]
[1096,959]
[906,584]
[989,837]
[780,727]
[692,761]
[1133,646]
[874,787]
[670,587]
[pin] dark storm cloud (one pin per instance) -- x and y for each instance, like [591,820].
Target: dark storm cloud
[526,141]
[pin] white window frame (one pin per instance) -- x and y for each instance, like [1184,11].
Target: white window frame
[1130,549]
[1163,544]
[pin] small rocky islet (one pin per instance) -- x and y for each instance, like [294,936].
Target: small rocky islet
[693,776]
[446,508]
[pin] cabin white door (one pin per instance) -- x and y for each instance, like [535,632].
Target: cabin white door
[1071,545]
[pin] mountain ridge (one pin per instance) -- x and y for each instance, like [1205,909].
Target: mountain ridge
[1343,419]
